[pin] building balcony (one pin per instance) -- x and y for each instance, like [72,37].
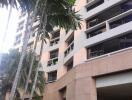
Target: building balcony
[110,24]
[52,61]
[69,49]
[54,41]
[91,4]
[96,31]
[121,21]
[109,46]
[108,4]
[108,14]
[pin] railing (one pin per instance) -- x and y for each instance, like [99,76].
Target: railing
[109,54]
[54,41]
[69,49]
[95,22]
[52,62]
[96,53]
[113,22]
[96,31]
[120,19]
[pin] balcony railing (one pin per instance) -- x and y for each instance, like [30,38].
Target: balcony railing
[112,22]
[52,62]
[122,8]
[95,32]
[96,53]
[112,45]
[121,21]
[54,41]
[69,49]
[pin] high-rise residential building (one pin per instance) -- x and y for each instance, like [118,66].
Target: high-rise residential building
[20,32]
[95,62]
[24,22]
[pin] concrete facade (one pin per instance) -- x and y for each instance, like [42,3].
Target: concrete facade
[81,80]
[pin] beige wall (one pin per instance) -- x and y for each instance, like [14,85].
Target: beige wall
[80,81]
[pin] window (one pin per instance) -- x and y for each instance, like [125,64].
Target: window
[70,45]
[53,57]
[55,34]
[54,53]
[52,76]
[69,64]
[55,38]
[96,31]
[121,21]
[63,93]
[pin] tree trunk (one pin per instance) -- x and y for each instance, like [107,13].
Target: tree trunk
[26,39]
[31,65]
[36,75]
[41,51]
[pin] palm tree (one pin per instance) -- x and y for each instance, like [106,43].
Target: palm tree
[11,67]
[40,81]
[55,13]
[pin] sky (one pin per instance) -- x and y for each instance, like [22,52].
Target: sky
[11,32]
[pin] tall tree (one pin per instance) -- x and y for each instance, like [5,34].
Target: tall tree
[11,68]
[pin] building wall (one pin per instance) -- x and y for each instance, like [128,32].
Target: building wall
[81,80]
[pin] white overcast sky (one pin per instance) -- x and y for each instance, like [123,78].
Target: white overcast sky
[11,32]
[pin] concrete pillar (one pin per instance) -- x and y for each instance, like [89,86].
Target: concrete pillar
[85,89]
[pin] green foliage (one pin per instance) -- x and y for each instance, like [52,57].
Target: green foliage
[59,13]
[11,66]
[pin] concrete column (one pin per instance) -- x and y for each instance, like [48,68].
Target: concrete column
[85,89]
[80,56]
